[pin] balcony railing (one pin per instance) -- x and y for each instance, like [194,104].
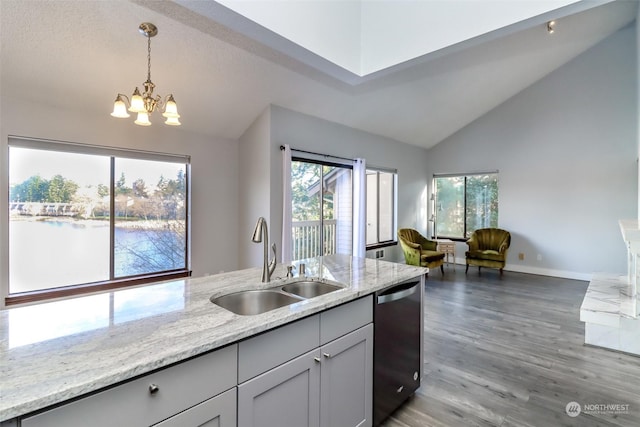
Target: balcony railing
[305,236]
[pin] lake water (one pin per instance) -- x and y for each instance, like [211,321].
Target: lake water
[49,254]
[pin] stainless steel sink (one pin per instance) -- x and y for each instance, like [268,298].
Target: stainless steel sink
[247,303]
[309,288]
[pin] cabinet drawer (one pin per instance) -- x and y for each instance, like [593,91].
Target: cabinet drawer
[343,319]
[266,351]
[132,404]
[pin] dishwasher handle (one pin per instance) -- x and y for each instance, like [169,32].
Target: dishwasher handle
[398,292]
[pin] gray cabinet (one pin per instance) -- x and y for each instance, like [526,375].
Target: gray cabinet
[151,398]
[346,380]
[328,386]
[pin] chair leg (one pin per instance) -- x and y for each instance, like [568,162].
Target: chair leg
[466,269]
[501,272]
[442,268]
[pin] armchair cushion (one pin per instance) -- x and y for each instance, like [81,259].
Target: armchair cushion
[431,256]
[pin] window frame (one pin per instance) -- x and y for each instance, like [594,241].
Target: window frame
[394,214]
[112,283]
[434,216]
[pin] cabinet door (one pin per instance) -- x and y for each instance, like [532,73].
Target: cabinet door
[288,395]
[346,382]
[219,411]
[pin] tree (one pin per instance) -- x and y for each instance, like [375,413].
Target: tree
[61,190]
[304,206]
[169,197]
[121,186]
[103,191]
[139,188]
[33,189]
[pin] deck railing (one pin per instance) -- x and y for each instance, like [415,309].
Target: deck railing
[305,236]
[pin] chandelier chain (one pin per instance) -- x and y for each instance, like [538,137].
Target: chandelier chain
[148,58]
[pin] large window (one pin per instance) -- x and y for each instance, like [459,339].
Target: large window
[464,203]
[82,215]
[321,209]
[381,206]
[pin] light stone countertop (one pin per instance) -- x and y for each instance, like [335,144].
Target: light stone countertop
[55,351]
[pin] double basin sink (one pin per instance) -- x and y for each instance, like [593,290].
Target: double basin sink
[252,302]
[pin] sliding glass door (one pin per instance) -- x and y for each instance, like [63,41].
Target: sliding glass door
[321,209]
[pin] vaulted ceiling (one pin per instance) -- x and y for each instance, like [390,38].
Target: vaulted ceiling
[224,70]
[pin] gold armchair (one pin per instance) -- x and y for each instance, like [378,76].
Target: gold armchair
[488,248]
[418,250]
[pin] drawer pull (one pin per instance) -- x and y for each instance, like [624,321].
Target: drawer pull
[317,359]
[153,388]
[327,355]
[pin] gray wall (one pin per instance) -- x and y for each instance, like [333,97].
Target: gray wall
[566,150]
[313,134]
[213,166]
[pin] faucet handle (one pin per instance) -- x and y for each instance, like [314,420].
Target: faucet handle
[289,270]
[301,269]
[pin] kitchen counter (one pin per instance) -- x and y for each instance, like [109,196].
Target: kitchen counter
[56,351]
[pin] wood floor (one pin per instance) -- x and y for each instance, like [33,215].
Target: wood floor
[508,351]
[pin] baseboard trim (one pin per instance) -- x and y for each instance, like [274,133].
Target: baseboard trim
[549,272]
[564,274]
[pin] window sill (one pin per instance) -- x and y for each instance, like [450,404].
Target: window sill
[381,245]
[69,291]
[455,239]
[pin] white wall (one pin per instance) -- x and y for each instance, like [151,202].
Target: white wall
[312,134]
[213,166]
[566,150]
[255,189]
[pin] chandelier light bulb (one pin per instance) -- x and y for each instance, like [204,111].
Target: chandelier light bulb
[171,109]
[137,103]
[120,108]
[143,119]
[172,121]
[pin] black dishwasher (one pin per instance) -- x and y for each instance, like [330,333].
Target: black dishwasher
[397,339]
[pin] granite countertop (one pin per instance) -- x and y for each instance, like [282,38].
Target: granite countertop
[55,351]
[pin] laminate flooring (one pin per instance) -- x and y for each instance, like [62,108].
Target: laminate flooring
[509,351]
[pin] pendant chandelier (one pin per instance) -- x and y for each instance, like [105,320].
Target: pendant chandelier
[144,104]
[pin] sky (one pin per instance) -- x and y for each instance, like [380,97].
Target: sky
[84,169]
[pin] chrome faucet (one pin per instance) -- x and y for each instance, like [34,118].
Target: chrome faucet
[261,234]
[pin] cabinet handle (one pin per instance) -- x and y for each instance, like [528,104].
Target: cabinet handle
[327,355]
[153,388]
[317,359]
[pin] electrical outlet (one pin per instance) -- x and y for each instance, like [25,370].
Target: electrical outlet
[380,253]
[521,256]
